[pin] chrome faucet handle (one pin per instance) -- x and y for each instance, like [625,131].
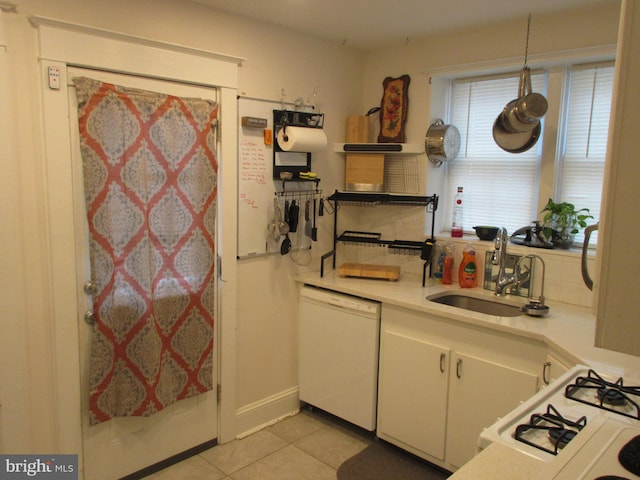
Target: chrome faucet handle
[499,245]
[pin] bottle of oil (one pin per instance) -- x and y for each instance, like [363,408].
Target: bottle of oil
[468,272]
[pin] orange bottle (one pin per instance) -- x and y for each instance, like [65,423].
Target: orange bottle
[467,273]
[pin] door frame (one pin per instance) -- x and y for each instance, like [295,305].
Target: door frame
[63,44]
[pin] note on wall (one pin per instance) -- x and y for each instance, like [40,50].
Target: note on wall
[255,178]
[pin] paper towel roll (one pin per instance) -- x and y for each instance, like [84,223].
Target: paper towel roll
[302,139]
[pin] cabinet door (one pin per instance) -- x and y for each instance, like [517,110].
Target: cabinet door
[412,394]
[480,392]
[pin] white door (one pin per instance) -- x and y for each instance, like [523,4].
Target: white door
[124,445]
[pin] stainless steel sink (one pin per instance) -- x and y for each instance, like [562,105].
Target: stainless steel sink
[489,307]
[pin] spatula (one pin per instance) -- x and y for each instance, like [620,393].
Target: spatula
[314,230]
[307,219]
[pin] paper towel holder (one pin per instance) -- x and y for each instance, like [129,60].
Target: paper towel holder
[295,162]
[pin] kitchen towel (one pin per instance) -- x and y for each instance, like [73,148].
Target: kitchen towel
[302,139]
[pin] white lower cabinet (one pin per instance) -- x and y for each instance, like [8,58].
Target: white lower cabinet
[480,392]
[442,382]
[413,395]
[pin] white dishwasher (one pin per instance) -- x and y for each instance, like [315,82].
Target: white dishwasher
[338,354]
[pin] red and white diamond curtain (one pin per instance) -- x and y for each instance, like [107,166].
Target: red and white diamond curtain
[150,180]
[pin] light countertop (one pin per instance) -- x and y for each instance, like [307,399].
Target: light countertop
[567,329]
[498,462]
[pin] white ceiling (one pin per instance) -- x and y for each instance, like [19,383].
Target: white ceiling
[371,24]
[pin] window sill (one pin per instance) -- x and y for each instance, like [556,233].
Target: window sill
[486,245]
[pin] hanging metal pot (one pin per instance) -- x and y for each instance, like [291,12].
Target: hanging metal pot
[442,143]
[524,113]
[517,128]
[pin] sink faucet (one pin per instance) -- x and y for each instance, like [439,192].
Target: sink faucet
[536,306]
[499,258]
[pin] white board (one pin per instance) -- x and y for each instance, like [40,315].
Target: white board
[255,179]
[256,185]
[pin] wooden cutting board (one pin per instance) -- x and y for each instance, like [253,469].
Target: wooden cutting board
[365,270]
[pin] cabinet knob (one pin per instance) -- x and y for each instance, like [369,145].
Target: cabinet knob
[443,357]
[459,368]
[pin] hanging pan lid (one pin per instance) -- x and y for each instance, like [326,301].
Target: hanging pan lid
[442,142]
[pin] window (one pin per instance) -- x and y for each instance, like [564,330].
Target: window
[499,187]
[505,189]
[585,140]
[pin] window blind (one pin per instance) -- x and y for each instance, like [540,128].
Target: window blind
[500,188]
[586,127]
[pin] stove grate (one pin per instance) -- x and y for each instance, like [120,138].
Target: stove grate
[560,430]
[611,396]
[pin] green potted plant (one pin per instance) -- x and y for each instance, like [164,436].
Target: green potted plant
[562,221]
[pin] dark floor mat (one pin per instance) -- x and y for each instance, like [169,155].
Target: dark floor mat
[381,461]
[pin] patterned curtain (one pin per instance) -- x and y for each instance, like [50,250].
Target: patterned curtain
[150,180]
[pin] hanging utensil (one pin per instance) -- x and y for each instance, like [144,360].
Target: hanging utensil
[524,113]
[285,246]
[314,230]
[296,249]
[294,213]
[304,254]
[517,127]
[301,251]
[307,219]
[283,225]
[277,218]
[272,225]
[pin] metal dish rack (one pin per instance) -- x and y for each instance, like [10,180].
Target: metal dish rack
[405,247]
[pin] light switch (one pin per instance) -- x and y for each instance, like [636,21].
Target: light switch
[54,78]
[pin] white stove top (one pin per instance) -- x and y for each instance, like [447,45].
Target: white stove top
[598,434]
[595,454]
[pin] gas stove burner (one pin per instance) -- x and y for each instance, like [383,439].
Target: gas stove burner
[560,437]
[611,396]
[549,431]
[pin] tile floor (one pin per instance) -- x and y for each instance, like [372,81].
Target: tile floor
[307,446]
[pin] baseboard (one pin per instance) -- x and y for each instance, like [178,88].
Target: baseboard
[265,412]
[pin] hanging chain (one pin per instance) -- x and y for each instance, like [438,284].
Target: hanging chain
[526,49]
